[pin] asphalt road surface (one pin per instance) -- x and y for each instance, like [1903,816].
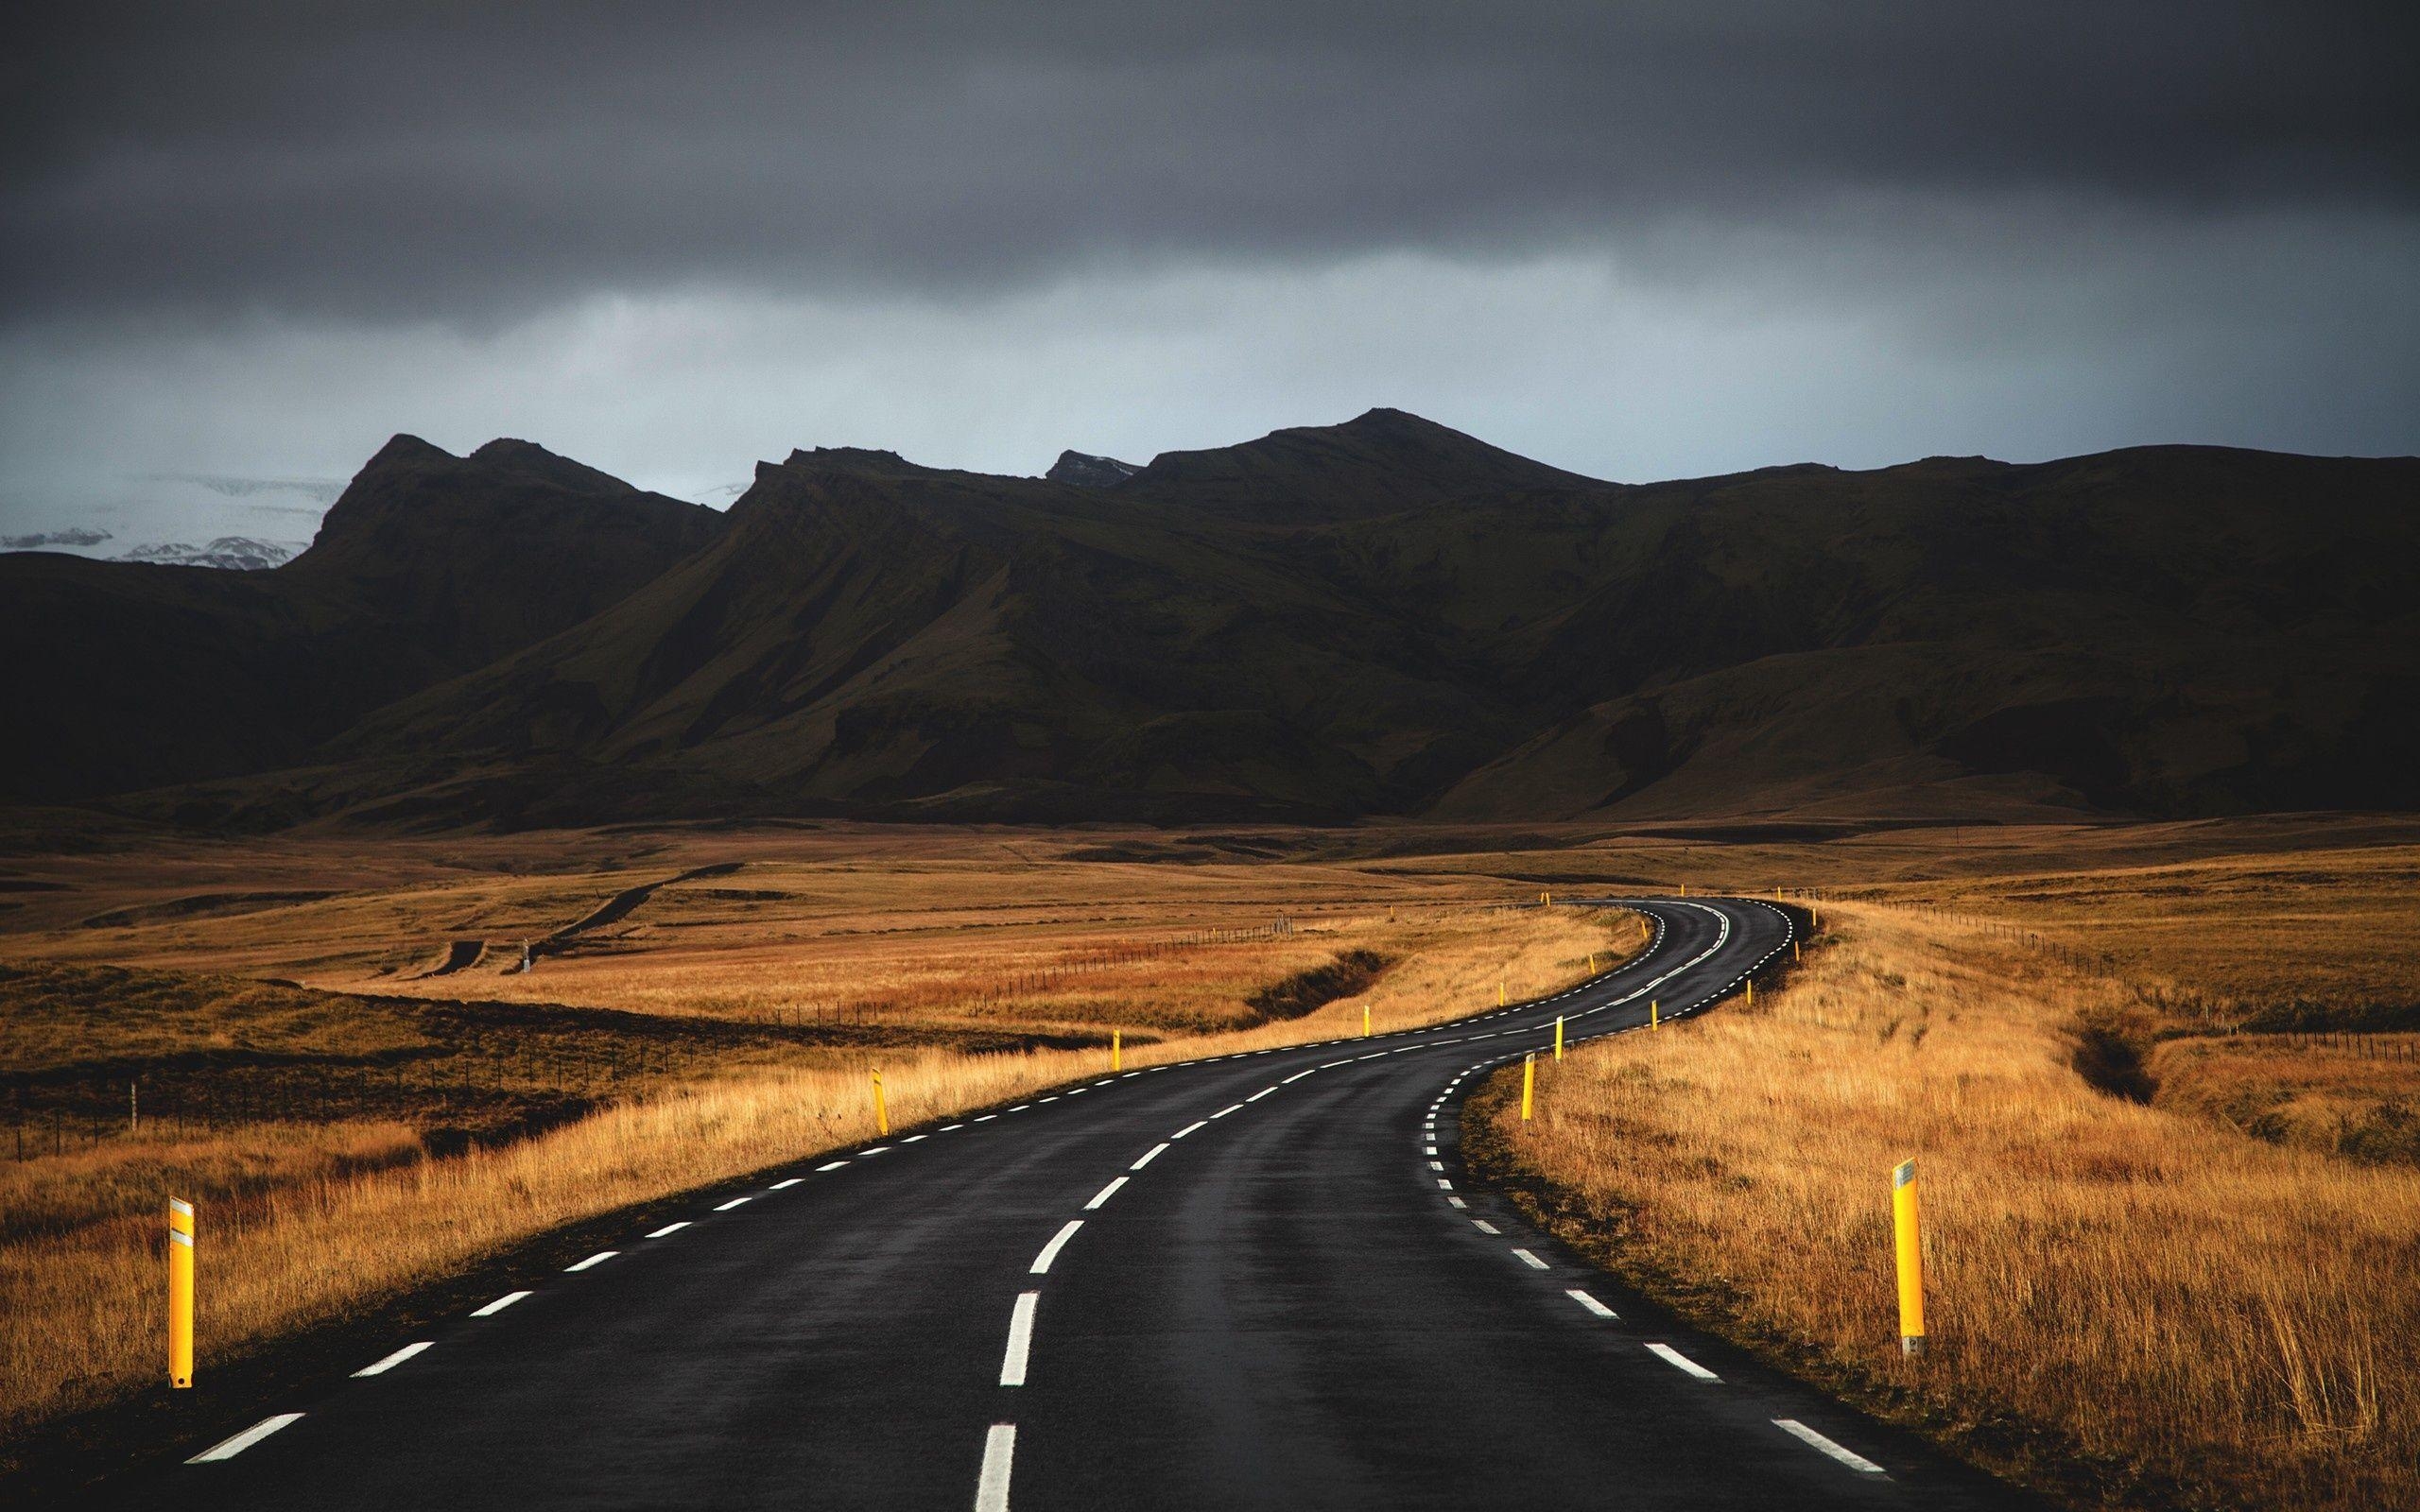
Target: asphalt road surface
[1253,1281]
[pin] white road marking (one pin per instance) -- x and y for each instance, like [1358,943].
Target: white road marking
[1058,1242]
[1299,1074]
[1104,1194]
[1530,1260]
[499,1305]
[1258,1095]
[1224,1111]
[987,1118]
[1430,1149]
[784,1186]
[1149,1156]
[1048,1100]
[598,1259]
[912,1138]
[832,1166]
[229,1448]
[1020,1339]
[1020,1108]
[669,1228]
[1823,1446]
[734,1202]
[949,1128]
[1189,1129]
[1589,1302]
[1333,1064]
[382,1366]
[879,1149]
[1444,1185]
[1681,1362]
[999,1452]
[1457,1202]
[1484,1226]
[1436,1165]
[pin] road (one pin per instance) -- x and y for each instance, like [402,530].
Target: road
[1253,1281]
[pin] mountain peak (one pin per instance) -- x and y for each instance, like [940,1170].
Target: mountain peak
[1084,470]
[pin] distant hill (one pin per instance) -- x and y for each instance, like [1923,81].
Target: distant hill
[138,674]
[1379,617]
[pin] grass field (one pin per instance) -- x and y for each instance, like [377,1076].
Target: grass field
[2129,1298]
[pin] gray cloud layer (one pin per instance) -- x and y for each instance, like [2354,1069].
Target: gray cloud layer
[1635,240]
[482,160]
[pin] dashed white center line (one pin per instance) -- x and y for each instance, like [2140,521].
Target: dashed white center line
[1530,1260]
[1224,1111]
[832,1166]
[784,1186]
[912,1139]
[1589,1302]
[598,1259]
[987,1118]
[726,1207]
[1457,1202]
[1258,1095]
[1020,1339]
[1428,1149]
[1058,1242]
[1823,1446]
[879,1149]
[669,1230]
[1189,1129]
[382,1366]
[1299,1075]
[229,1448]
[950,1129]
[1104,1194]
[1484,1226]
[1443,1185]
[999,1454]
[1681,1362]
[1149,1156]
[1436,1165]
[499,1305]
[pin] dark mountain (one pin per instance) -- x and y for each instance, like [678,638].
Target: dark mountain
[1382,617]
[428,565]
[1382,463]
[1085,470]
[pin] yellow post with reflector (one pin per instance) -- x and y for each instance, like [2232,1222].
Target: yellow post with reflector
[1685,889]
[881,1114]
[1117,1057]
[1592,963]
[1654,1018]
[1365,1020]
[1528,1085]
[180,1293]
[1911,1259]
[1752,991]
[1558,1037]
[1499,993]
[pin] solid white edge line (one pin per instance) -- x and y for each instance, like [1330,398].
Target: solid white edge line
[598,1259]
[669,1230]
[499,1305]
[1823,1446]
[1020,1339]
[999,1455]
[1149,1156]
[379,1367]
[1589,1302]
[1681,1362]
[1051,1251]
[1104,1194]
[229,1448]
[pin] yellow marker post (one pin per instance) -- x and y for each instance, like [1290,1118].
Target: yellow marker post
[1685,889]
[1654,1019]
[1911,1261]
[1365,1020]
[1528,1085]
[180,1293]
[1499,993]
[1558,1037]
[881,1114]
[1592,963]
[1794,949]
[1752,992]
[1117,1059]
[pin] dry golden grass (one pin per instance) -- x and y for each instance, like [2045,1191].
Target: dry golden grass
[79,1294]
[2184,1310]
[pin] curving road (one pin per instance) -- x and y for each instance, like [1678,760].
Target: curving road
[1251,1282]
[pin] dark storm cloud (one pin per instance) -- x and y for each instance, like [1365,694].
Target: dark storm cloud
[484,162]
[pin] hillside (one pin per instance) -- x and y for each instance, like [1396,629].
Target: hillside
[1380,617]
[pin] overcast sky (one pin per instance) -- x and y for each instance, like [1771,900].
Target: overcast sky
[1638,241]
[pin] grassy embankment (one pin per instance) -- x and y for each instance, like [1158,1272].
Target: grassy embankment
[303,1121]
[2129,1299]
